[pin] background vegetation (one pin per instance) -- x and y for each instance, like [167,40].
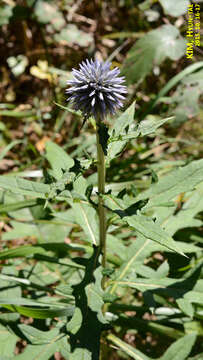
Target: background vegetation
[45,242]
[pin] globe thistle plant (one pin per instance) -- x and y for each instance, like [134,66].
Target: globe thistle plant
[96,90]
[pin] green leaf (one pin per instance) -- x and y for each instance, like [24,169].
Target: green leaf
[39,352]
[127,349]
[186,97]
[17,205]
[42,232]
[86,217]
[88,321]
[78,113]
[189,289]
[26,302]
[80,185]
[8,148]
[171,83]
[149,126]
[124,122]
[21,251]
[150,230]
[142,225]
[64,347]
[21,230]
[137,253]
[147,284]
[152,49]
[5,14]
[75,323]
[141,325]
[48,13]
[42,249]
[181,349]
[194,326]
[145,127]
[180,180]
[34,312]
[192,205]
[24,187]
[36,336]
[186,307]
[72,35]
[175,8]
[197,357]
[83,354]
[184,74]
[46,351]
[7,342]
[18,114]
[58,159]
[17,64]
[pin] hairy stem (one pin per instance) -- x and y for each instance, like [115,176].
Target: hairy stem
[101,189]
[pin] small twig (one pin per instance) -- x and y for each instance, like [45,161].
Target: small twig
[117,50]
[73,9]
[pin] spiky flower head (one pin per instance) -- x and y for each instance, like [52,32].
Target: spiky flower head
[95,89]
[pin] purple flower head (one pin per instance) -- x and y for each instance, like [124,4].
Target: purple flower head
[96,90]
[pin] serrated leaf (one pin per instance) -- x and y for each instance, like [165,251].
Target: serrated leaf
[180,180]
[58,159]
[151,50]
[145,127]
[142,225]
[121,124]
[124,120]
[149,126]
[151,230]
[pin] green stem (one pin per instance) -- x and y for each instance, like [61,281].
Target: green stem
[101,189]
